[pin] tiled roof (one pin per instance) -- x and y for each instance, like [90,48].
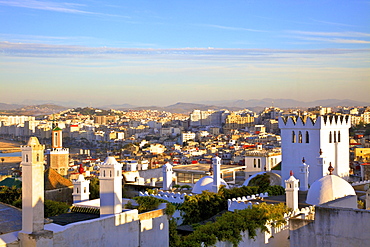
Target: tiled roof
[53,180]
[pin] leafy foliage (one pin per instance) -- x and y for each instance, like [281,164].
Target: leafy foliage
[149,203]
[262,181]
[193,209]
[230,226]
[275,190]
[94,188]
[10,195]
[53,208]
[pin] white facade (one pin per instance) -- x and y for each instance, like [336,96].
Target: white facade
[110,187]
[291,192]
[259,161]
[305,137]
[80,189]
[32,194]
[167,176]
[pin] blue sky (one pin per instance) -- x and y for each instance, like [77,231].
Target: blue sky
[150,52]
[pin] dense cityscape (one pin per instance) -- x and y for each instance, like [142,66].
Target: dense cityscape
[172,157]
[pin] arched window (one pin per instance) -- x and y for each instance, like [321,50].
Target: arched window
[293,137]
[55,139]
[335,136]
[76,189]
[330,137]
[104,173]
[259,163]
[38,157]
[338,136]
[300,137]
[26,157]
[110,173]
[307,137]
[254,163]
[84,189]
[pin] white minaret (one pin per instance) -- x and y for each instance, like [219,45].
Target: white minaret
[304,176]
[167,176]
[216,165]
[33,186]
[110,180]
[81,190]
[291,192]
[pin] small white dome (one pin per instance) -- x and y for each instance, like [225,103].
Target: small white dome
[110,160]
[327,189]
[206,183]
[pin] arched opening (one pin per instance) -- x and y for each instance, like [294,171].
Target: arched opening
[300,137]
[335,136]
[293,137]
[338,136]
[307,137]
[26,157]
[330,137]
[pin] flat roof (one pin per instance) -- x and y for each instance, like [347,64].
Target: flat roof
[204,168]
[10,219]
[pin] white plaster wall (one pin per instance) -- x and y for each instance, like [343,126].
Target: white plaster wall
[333,227]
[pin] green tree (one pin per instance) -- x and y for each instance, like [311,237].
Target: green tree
[94,188]
[53,208]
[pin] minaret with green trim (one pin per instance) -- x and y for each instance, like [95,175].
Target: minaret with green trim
[57,156]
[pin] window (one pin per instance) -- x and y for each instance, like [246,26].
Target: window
[293,137]
[254,163]
[300,137]
[307,137]
[338,136]
[110,173]
[259,163]
[26,157]
[84,189]
[38,157]
[330,137]
[77,190]
[335,136]
[104,173]
[56,139]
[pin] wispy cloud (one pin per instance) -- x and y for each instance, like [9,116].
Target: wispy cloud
[232,28]
[333,23]
[46,5]
[332,34]
[9,49]
[332,37]
[63,7]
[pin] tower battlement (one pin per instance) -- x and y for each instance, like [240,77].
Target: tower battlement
[316,123]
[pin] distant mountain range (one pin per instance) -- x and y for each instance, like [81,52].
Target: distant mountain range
[233,105]
[285,103]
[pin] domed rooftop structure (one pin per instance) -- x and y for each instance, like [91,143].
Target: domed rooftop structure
[110,160]
[327,189]
[206,183]
[275,179]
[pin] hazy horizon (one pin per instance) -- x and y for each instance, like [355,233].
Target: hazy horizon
[161,53]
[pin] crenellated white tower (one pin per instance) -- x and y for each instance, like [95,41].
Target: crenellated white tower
[291,192]
[33,186]
[110,180]
[216,166]
[305,137]
[167,176]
